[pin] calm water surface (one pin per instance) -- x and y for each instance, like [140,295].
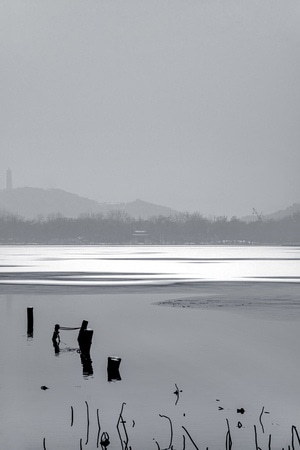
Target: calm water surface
[232,342]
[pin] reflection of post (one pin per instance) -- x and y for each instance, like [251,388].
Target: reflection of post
[87,367]
[113,364]
[30,321]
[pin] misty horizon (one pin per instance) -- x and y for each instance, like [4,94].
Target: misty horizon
[253,212]
[193,105]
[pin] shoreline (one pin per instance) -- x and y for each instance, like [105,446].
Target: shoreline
[274,300]
[169,286]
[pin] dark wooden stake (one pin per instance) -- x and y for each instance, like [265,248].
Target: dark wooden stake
[30,321]
[86,341]
[81,331]
[113,364]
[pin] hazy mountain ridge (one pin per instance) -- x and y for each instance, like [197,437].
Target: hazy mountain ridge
[30,203]
[280,214]
[289,211]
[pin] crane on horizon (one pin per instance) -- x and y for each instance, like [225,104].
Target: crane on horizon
[259,216]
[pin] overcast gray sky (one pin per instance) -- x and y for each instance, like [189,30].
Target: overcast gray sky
[193,104]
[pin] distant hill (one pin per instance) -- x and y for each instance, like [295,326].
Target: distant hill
[289,211]
[31,202]
[139,208]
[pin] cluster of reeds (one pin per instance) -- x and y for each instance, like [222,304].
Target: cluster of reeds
[103,438]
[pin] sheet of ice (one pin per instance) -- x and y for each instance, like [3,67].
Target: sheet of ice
[101,265]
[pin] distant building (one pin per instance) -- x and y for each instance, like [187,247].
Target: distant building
[140,236]
[9,184]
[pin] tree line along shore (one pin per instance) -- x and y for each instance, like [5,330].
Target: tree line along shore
[116,227]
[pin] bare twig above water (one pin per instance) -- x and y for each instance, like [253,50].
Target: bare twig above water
[72,416]
[295,433]
[124,443]
[269,442]
[190,437]
[171,430]
[260,421]
[104,441]
[99,428]
[87,423]
[255,438]
[158,447]
[228,440]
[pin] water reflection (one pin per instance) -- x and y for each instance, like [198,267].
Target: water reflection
[87,366]
[84,340]
[56,348]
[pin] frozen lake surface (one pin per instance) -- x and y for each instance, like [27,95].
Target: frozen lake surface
[133,265]
[229,339]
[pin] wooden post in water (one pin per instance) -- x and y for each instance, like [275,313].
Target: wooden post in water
[30,321]
[87,340]
[84,339]
[80,334]
[85,336]
[113,365]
